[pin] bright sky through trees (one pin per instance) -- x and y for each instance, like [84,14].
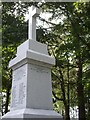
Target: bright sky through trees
[46,16]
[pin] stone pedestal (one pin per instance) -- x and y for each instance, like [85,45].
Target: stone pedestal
[31,86]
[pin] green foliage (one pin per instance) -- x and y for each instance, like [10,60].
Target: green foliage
[13,33]
[67,41]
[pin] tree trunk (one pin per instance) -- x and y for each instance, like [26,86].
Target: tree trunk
[80,91]
[7,99]
[88,113]
[88,104]
[67,116]
[80,88]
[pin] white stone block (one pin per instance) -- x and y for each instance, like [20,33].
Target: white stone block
[31,85]
[32,113]
[34,51]
[32,45]
[39,92]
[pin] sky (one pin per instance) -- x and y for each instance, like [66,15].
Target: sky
[46,16]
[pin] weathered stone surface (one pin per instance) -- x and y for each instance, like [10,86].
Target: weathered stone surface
[31,85]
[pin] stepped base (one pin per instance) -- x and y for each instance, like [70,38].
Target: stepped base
[29,114]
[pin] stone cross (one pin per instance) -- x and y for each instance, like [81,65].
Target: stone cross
[33,13]
[31,95]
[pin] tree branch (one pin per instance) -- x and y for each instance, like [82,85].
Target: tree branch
[60,99]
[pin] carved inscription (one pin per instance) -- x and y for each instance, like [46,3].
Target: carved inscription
[14,96]
[18,89]
[39,69]
[21,93]
[19,74]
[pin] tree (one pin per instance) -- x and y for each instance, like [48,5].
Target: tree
[75,32]
[13,32]
[68,41]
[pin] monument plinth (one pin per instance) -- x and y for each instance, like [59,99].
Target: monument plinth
[31,85]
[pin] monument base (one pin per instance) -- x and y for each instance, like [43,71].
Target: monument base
[28,114]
